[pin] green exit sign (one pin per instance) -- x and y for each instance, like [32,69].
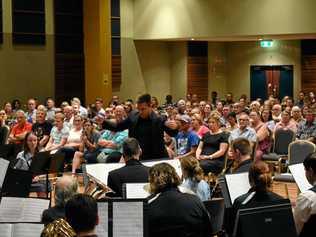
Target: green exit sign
[266,43]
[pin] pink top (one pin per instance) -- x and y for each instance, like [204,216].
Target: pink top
[203,129]
[291,125]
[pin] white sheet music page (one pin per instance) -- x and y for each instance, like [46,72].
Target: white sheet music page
[101,171]
[136,190]
[3,170]
[175,163]
[298,172]
[237,184]
[102,228]
[22,209]
[6,230]
[27,230]
[33,209]
[128,219]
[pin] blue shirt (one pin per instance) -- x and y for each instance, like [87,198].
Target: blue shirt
[248,133]
[201,189]
[117,137]
[185,141]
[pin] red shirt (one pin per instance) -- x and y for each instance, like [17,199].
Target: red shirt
[17,130]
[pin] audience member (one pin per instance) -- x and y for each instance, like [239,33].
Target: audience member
[51,110]
[10,114]
[132,172]
[58,135]
[83,112]
[16,105]
[4,129]
[286,122]
[82,214]
[193,177]
[297,115]
[232,122]
[69,116]
[19,130]
[88,150]
[305,209]
[307,129]
[197,125]
[170,212]
[41,128]
[66,187]
[31,111]
[99,105]
[186,140]
[301,100]
[213,147]
[243,130]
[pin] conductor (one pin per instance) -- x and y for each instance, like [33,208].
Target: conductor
[147,127]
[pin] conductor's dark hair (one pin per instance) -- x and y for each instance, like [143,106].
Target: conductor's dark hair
[130,148]
[82,212]
[310,162]
[146,98]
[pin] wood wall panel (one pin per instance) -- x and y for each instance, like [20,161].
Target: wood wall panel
[308,73]
[198,76]
[116,72]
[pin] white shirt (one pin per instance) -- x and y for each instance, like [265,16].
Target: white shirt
[305,207]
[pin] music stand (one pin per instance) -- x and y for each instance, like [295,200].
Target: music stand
[17,183]
[273,221]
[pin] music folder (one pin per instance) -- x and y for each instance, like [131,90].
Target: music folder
[122,217]
[25,210]
[298,172]
[17,183]
[233,186]
[135,190]
[4,164]
[21,229]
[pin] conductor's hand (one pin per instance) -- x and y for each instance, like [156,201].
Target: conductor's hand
[172,124]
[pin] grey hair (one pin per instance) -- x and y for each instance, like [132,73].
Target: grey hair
[20,111]
[63,194]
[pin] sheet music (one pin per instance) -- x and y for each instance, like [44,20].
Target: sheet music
[175,163]
[136,191]
[102,228]
[6,230]
[22,209]
[298,172]
[237,184]
[128,220]
[3,170]
[101,171]
[27,230]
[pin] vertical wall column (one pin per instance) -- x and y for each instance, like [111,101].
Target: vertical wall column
[97,47]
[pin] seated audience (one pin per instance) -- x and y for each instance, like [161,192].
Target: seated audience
[186,140]
[82,214]
[170,144]
[69,116]
[4,129]
[243,130]
[99,105]
[193,177]
[305,209]
[207,113]
[224,116]
[41,128]
[88,150]
[276,113]
[213,147]
[241,153]
[19,130]
[132,172]
[307,129]
[231,122]
[197,125]
[58,228]
[83,112]
[66,187]
[263,135]
[301,100]
[16,105]
[170,212]
[10,114]
[73,140]
[58,135]
[286,122]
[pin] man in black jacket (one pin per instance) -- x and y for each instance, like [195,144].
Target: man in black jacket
[147,127]
[132,172]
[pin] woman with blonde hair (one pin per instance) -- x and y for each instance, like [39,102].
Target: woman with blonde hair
[193,175]
[197,125]
[213,147]
[170,212]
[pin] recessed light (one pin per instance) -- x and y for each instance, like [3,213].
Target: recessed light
[192,39]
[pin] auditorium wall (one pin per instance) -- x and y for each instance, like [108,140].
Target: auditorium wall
[26,71]
[166,19]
